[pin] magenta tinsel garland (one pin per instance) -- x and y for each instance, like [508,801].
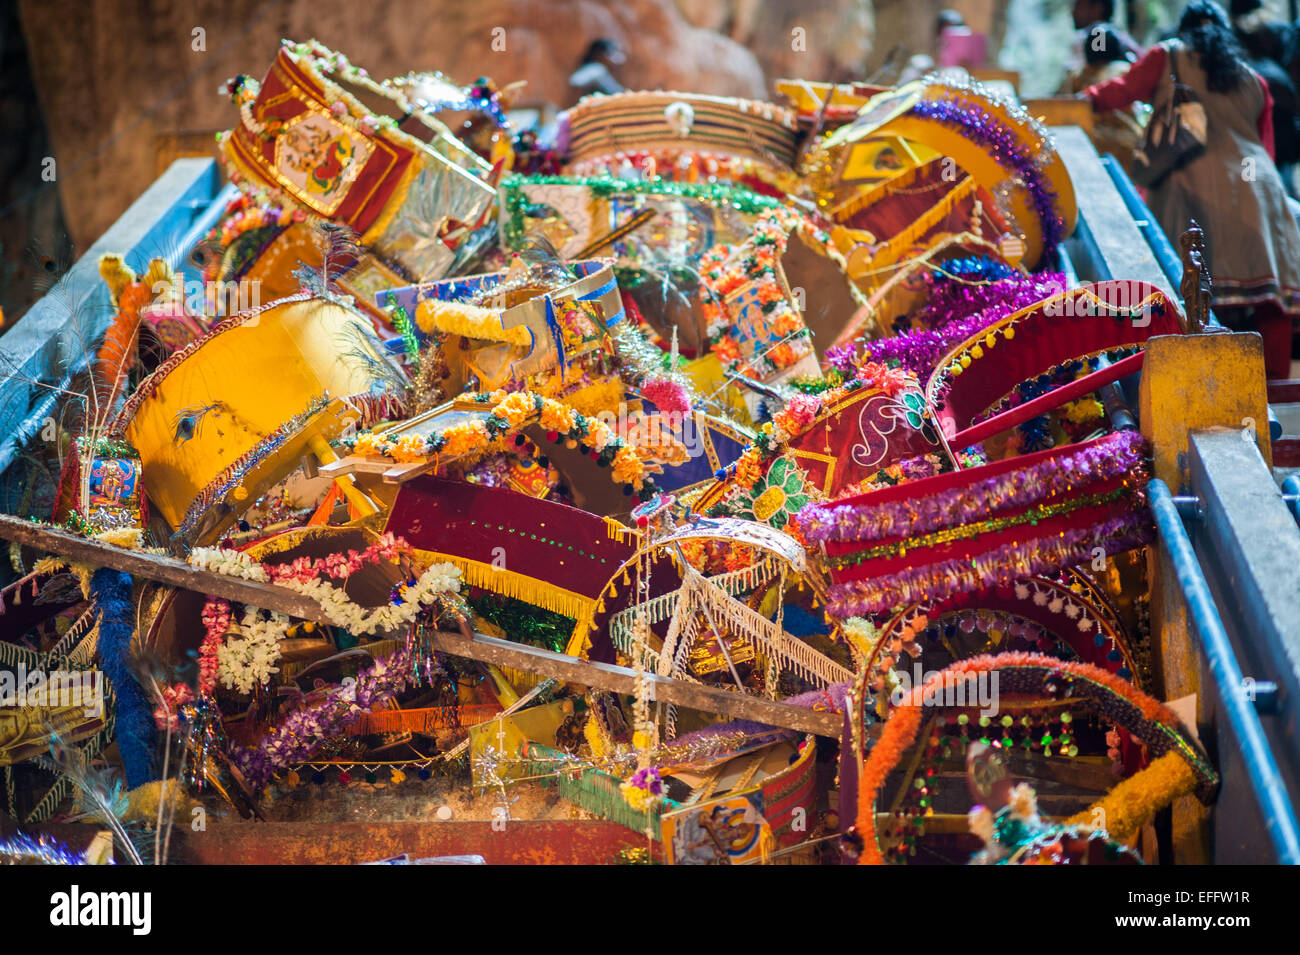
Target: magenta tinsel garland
[920,350]
[986,130]
[950,298]
[1001,566]
[303,731]
[920,467]
[1109,458]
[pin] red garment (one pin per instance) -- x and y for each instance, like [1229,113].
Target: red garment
[1141,81]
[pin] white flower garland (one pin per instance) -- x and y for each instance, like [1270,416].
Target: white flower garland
[230,563]
[247,659]
[438,579]
[337,606]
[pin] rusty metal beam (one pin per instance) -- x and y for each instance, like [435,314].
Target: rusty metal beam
[164,570]
[602,676]
[319,842]
[606,676]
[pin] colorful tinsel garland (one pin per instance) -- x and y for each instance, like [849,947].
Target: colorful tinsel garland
[972,309]
[301,733]
[110,591]
[511,411]
[517,203]
[21,848]
[986,129]
[725,269]
[1108,458]
[1114,698]
[999,566]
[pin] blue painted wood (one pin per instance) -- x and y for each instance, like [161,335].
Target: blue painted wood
[1108,243]
[48,346]
[204,221]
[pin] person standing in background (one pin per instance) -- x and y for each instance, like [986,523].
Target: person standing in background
[1088,13]
[1233,189]
[595,74]
[1105,57]
[920,64]
[1273,50]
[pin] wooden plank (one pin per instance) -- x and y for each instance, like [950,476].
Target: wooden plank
[607,676]
[391,473]
[402,473]
[353,464]
[1045,773]
[323,842]
[192,144]
[989,75]
[1174,401]
[603,676]
[164,570]
[1062,111]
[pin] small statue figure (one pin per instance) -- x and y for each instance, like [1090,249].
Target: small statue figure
[1196,287]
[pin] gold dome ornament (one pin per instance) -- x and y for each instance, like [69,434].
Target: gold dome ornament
[285,388]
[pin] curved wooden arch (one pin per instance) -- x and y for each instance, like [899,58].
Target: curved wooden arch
[894,113]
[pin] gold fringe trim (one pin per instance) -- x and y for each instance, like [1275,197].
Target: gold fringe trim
[898,246]
[617,531]
[298,536]
[521,680]
[379,648]
[580,641]
[856,203]
[383,648]
[517,586]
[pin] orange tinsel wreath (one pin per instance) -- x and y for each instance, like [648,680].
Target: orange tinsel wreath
[905,722]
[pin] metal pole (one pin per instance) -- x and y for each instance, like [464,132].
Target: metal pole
[1266,781]
[1291,488]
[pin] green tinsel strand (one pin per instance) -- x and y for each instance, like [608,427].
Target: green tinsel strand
[524,622]
[715,193]
[596,791]
[632,277]
[816,384]
[402,322]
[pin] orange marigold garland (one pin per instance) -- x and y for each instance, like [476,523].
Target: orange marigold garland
[1147,718]
[726,269]
[631,462]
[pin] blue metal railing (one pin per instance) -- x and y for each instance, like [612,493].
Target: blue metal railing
[1291,492]
[1161,247]
[208,213]
[184,203]
[1065,265]
[1261,766]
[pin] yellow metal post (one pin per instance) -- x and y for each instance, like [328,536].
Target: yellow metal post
[1191,382]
